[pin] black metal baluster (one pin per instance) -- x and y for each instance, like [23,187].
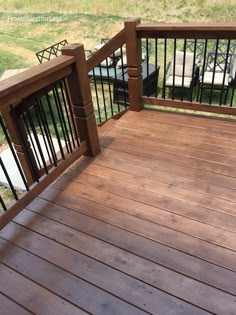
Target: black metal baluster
[5,131]
[71,113]
[147,65]
[62,84]
[114,85]
[42,132]
[61,113]
[123,77]
[109,88]
[37,140]
[227,64]
[156,65]
[203,70]
[164,79]
[54,125]
[97,98]
[214,70]
[195,70]
[3,203]
[232,96]
[8,179]
[174,65]
[31,140]
[60,116]
[183,73]
[23,141]
[47,130]
[103,93]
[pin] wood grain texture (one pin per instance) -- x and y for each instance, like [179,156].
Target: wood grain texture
[145,227]
[187,30]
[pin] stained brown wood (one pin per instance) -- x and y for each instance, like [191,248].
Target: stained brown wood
[107,50]
[187,30]
[116,231]
[145,227]
[142,295]
[134,60]
[34,297]
[8,307]
[81,98]
[73,288]
[124,261]
[117,161]
[23,84]
[189,105]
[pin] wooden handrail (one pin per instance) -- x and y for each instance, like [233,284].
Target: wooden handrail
[115,43]
[187,30]
[14,89]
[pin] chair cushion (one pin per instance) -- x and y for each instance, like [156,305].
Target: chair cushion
[178,81]
[218,78]
[107,62]
[179,61]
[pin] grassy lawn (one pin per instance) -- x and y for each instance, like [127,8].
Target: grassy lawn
[88,21]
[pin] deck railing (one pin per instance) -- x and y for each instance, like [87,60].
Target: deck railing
[107,70]
[47,113]
[47,122]
[196,65]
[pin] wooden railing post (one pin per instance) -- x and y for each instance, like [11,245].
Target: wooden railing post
[81,97]
[134,62]
[23,150]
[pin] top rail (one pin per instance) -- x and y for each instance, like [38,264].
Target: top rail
[115,43]
[15,88]
[188,30]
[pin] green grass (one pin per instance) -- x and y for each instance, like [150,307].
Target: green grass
[6,195]
[88,21]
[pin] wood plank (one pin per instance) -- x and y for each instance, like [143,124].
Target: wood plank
[174,126]
[196,247]
[14,89]
[8,307]
[104,128]
[118,232]
[182,135]
[61,282]
[189,288]
[203,121]
[32,296]
[126,136]
[137,149]
[186,30]
[148,191]
[175,139]
[135,292]
[172,168]
[106,160]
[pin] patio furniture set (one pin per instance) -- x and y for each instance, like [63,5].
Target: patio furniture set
[193,67]
[190,67]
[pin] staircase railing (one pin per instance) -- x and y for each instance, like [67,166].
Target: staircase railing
[47,122]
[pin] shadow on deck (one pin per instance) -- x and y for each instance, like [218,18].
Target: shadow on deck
[148,226]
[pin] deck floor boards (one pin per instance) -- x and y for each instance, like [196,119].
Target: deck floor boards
[146,227]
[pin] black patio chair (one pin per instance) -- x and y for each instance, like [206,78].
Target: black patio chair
[51,51]
[196,46]
[219,73]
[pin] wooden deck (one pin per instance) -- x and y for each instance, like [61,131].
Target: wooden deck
[146,227]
